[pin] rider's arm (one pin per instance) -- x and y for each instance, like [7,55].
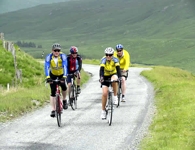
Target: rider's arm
[118,71]
[64,64]
[47,65]
[102,65]
[101,72]
[80,63]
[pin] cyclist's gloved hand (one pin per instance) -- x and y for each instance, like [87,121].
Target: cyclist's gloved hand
[63,79]
[49,80]
[101,79]
[76,73]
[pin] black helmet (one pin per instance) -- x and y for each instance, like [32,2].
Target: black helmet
[56,46]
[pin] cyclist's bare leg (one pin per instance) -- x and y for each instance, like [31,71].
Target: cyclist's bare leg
[64,94]
[53,102]
[79,81]
[69,86]
[104,96]
[115,84]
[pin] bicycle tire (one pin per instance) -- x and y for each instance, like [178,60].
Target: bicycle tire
[110,109]
[72,97]
[58,111]
[76,95]
[119,94]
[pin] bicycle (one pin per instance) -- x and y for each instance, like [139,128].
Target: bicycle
[110,105]
[119,93]
[72,94]
[59,105]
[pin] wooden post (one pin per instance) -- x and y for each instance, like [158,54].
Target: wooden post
[8,87]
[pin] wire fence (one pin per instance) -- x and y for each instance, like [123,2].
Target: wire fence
[9,46]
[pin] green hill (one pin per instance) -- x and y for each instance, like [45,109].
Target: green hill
[13,5]
[154,32]
[32,71]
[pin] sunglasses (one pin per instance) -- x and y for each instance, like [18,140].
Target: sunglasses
[109,55]
[74,53]
[119,50]
[56,50]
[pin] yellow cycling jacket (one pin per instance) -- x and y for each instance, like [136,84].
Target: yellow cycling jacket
[109,66]
[124,60]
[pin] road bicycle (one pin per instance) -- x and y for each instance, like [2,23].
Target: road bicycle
[109,104]
[72,94]
[119,93]
[59,105]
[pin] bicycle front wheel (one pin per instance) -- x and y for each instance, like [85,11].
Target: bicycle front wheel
[58,111]
[110,109]
[119,94]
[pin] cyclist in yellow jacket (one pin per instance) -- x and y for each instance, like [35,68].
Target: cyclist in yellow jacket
[109,69]
[124,61]
[56,67]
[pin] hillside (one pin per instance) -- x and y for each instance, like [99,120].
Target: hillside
[32,71]
[14,5]
[158,33]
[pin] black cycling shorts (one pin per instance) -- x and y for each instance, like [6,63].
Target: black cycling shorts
[53,85]
[107,78]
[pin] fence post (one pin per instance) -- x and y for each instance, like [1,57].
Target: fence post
[8,87]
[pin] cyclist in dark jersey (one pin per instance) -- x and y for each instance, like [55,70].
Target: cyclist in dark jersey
[74,63]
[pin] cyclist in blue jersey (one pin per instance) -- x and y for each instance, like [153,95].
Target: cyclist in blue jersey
[56,67]
[74,63]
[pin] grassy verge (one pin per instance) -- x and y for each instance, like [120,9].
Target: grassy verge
[91,61]
[173,127]
[17,101]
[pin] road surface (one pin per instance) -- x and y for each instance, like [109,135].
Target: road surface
[83,129]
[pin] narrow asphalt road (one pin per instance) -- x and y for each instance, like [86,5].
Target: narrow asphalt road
[83,129]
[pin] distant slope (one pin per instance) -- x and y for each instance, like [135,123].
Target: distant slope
[126,18]
[154,32]
[13,5]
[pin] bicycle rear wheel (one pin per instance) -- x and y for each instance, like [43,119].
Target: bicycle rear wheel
[58,111]
[72,97]
[110,109]
[76,96]
[119,94]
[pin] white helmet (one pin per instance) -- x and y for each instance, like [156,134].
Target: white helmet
[109,50]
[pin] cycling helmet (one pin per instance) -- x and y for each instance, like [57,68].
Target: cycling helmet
[109,50]
[56,46]
[119,46]
[73,49]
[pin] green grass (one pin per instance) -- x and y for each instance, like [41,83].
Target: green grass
[91,61]
[32,71]
[154,33]
[173,125]
[19,101]
[28,95]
